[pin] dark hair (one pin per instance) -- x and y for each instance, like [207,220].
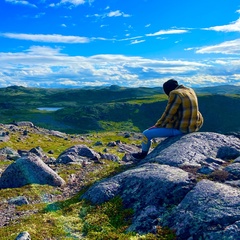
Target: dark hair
[169,86]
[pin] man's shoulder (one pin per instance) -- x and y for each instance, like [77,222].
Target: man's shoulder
[179,89]
[183,91]
[182,88]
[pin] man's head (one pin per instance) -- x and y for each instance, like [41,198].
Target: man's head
[169,86]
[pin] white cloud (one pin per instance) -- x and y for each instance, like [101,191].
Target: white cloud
[166,32]
[48,67]
[43,51]
[56,38]
[117,13]
[110,14]
[228,47]
[130,38]
[137,41]
[21,2]
[232,27]
[202,80]
[73,2]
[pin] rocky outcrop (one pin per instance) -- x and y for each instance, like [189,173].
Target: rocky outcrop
[8,153]
[163,190]
[29,169]
[78,153]
[24,124]
[84,155]
[196,149]
[189,183]
[209,211]
[19,201]
[147,186]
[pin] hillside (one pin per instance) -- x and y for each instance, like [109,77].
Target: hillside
[112,108]
[222,89]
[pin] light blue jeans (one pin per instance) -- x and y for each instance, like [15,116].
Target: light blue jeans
[155,132]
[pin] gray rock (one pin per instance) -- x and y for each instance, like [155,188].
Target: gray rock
[38,151]
[234,183]
[98,143]
[146,219]
[237,160]
[28,170]
[23,236]
[9,153]
[125,148]
[206,170]
[77,153]
[234,170]
[57,134]
[4,136]
[127,158]
[160,192]
[229,233]
[112,144]
[24,124]
[196,149]
[111,157]
[19,201]
[209,209]
[147,185]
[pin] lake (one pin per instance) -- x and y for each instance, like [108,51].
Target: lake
[51,109]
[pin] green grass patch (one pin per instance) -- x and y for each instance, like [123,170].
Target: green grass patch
[148,99]
[33,192]
[118,126]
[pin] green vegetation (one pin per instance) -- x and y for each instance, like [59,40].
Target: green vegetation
[71,218]
[114,108]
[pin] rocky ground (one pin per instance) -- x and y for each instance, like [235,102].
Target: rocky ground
[190,183]
[75,182]
[9,212]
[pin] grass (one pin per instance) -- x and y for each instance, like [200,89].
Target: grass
[120,126]
[69,218]
[58,145]
[149,99]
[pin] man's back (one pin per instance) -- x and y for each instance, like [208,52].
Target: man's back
[182,111]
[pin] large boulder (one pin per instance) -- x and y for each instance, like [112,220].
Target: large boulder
[196,149]
[150,185]
[28,170]
[210,211]
[162,191]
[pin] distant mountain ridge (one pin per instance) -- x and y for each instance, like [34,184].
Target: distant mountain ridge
[222,89]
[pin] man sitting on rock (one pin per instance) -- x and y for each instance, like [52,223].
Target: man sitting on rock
[181,116]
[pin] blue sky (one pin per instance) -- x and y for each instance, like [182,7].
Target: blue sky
[133,43]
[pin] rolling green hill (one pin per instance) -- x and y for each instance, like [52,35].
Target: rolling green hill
[111,109]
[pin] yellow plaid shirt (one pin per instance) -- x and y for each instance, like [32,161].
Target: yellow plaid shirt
[182,111]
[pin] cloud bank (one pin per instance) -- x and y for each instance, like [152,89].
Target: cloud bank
[47,67]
